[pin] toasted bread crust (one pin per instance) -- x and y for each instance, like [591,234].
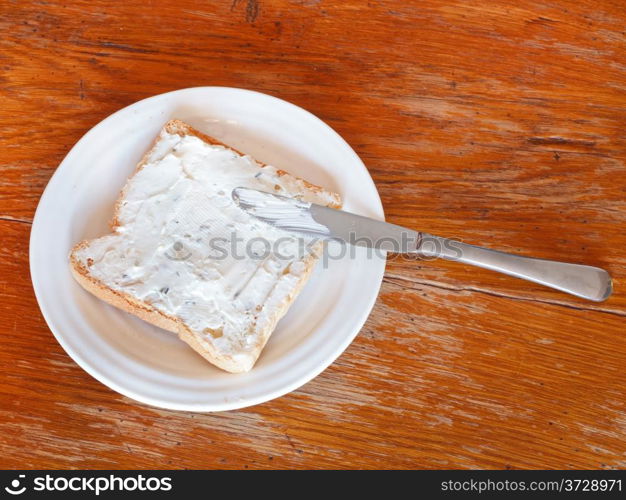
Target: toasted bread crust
[147,312]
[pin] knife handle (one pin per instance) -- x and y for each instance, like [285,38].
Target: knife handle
[587,282]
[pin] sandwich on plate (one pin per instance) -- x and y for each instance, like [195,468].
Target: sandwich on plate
[184,257]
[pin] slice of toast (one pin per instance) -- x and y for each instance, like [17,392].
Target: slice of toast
[184,257]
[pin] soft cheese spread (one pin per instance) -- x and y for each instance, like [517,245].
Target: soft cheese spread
[183,246]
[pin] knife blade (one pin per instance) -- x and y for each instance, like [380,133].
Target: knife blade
[310,219]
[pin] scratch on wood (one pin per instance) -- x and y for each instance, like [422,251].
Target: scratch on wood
[119,430]
[541,20]
[8,218]
[127,48]
[200,13]
[293,446]
[560,140]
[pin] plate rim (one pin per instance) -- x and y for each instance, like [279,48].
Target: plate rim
[101,377]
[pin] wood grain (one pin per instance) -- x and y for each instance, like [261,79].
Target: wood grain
[499,123]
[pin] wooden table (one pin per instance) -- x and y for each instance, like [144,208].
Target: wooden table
[501,123]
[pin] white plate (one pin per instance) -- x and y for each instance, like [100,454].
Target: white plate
[149,364]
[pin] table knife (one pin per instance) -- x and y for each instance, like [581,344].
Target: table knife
[312,220]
